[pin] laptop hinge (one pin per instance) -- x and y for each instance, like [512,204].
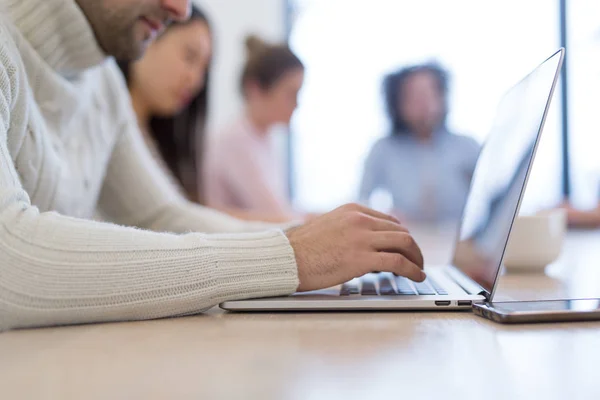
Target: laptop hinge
[485,294]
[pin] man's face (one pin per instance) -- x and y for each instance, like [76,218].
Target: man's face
[124,28]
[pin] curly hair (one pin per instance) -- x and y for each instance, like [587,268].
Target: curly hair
[393,84]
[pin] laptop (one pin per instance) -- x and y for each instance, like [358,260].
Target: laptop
[492,204]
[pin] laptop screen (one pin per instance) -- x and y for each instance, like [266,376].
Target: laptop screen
[501,174]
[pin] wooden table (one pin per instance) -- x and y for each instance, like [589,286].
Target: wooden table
[325,355]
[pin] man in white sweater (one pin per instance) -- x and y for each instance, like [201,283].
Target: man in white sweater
[70,145]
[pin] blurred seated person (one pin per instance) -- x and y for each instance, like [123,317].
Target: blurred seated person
[169,94]
[242,169]
[583,219]
[425,169]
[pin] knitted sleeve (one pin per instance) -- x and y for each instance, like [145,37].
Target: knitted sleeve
[57,270]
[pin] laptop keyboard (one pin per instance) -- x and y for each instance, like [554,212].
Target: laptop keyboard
[384,284]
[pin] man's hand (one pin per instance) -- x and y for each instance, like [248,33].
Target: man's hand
[350,242]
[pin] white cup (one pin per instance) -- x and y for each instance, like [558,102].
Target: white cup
[536,241]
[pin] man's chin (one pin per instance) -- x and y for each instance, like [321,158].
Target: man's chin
[134,53]
[134,45]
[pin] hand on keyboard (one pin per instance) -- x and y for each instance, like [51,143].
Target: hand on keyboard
[351,242]
[390,285]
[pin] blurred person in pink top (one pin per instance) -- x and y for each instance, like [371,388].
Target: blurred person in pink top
[242,169]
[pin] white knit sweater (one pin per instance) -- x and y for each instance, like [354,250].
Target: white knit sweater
[69,144]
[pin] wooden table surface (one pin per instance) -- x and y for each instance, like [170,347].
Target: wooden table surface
[417,355]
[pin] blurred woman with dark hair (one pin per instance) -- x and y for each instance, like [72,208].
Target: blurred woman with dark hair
[169,93]
[242,170]
[423,167]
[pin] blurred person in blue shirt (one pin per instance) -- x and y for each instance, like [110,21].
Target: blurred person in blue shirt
[424,169]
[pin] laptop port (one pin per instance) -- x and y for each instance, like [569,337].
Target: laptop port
[464,303]
[443,303]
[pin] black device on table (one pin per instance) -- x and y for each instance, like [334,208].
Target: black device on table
[516,312]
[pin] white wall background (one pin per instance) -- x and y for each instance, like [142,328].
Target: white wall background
[232,21]
[486,46]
